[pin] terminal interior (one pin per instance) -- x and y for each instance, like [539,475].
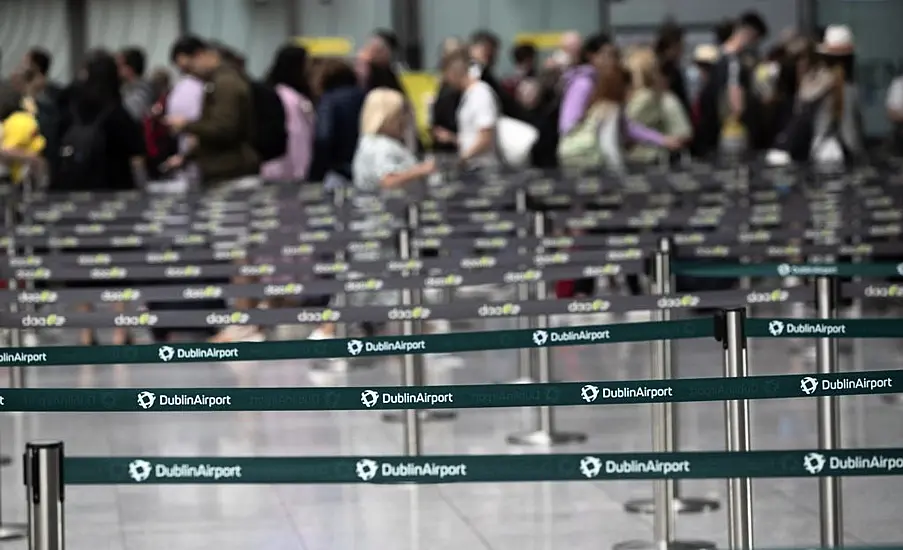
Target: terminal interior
[502,516]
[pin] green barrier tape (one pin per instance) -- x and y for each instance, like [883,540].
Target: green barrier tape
[447,397]
[690,269]
[822,328]
[388,345]
[481,468]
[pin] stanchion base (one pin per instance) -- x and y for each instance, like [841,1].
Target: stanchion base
[426,415]
[546,439]
[5,460]
[673,545]
[12,531]
[689,505]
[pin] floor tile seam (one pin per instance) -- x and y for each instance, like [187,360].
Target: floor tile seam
[464,519]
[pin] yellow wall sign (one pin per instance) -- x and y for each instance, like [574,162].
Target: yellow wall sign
[541,40]
[326,46]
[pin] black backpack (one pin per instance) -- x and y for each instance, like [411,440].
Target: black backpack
[270,135]
[83,154]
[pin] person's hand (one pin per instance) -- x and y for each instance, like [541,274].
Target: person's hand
[443,136]
[176,123]
[429,166]
[172,163]
[673,143]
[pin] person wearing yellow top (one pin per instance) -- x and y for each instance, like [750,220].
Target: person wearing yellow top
[22,142]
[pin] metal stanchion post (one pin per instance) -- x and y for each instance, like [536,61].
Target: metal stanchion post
[341,299]
[665,418]
[730,331]
[665,502]
[10,531]
[544,434]
[830,496]
[413,364]
[45,490]
[525,374]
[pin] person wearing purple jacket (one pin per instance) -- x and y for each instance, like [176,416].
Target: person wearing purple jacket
[597,54]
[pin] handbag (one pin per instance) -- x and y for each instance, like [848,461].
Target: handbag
[514,141]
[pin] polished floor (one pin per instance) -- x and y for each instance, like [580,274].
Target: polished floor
[535,516]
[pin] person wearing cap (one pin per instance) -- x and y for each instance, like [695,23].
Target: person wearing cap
[837,125]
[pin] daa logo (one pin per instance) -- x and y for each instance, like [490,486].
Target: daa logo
[106,274]
[143,320]
[117,296]
[50,321]
[43,297]
[498,310]
[234,318]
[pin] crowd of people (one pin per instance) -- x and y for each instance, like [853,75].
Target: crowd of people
[349,122]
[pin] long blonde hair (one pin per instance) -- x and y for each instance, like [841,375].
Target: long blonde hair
[380,106]
[643,66]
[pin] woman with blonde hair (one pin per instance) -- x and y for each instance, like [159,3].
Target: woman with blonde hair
[651,104]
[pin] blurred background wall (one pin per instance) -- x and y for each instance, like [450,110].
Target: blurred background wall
[257,27]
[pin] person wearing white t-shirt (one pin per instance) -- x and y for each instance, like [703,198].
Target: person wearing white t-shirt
[895,112]
[478,112]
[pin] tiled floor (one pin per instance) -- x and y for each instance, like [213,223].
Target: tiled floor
[461,516]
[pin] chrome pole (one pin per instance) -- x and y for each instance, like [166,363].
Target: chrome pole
[544,433]
[525,367]
[410,373]
[830,496]
[45,491]
[739,490]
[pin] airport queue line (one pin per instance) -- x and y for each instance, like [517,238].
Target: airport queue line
[729,328]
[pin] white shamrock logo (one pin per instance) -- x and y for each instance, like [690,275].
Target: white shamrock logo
[784,270]
[814,463]
[540,337]
[369,398]
[355,347]
[589,393]
[590,466]
[900,269]
[366,469]
[139,470]
[776,328]
[146,399]
[166,353]
[808,385]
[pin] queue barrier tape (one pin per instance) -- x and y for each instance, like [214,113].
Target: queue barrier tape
[731,271]
[350,347]
[180,400]
[479,468]
[438,343]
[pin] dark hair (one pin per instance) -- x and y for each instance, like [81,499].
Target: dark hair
[10,102]
[670,34]
[523,53]
[100,88]
[290,69]
[336,73]
[724,30]
[229,55]
[134,58]
[755,22]
[592,45]
[187,45]
[485,36]
[389,37]
[41,59]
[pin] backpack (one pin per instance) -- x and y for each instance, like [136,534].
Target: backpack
[83,154]
[270,135]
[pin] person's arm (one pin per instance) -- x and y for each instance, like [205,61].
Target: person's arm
[486,120]
[573,104]
[895,101]
[677,123]
[221,123]
[416,172]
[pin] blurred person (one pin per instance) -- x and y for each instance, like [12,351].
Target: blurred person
[288,76]
[160,143]
[185,100]
[137,92]
[894,105]
[669,47]
[378,55]
[443,113]
[223,135]
[723,31]
[654,106]
[568,53]
[49,98]
[223,146]
[337,123]
[478,113]
[524,58]
[21,142]
[727,95]
[102,149]
[484,49]
[599,54]
[705,125]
